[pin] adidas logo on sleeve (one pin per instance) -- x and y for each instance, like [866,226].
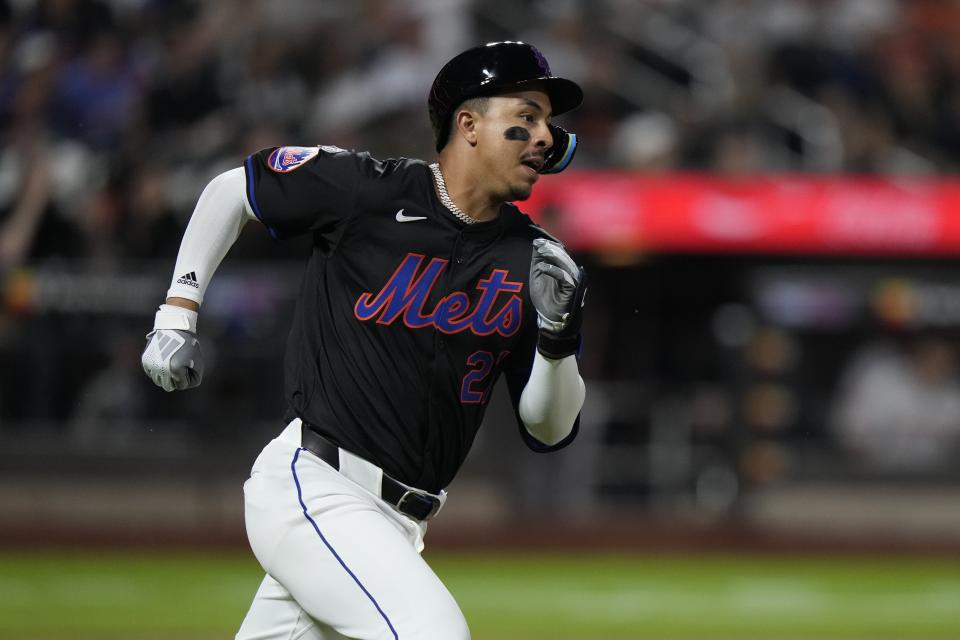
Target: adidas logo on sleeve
[190,279]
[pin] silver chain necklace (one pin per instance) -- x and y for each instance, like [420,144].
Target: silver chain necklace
[445,197]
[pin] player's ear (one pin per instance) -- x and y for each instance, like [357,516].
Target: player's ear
[466,122]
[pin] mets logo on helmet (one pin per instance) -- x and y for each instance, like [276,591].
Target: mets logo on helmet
[284,159]
[541,61]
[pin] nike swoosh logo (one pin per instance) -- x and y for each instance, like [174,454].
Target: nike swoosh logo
[403,218]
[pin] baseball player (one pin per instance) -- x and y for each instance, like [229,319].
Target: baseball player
[424,286]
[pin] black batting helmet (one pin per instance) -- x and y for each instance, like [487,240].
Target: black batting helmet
[490,69]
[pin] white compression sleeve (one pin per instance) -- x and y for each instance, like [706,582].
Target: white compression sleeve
[552,398]
[220,214]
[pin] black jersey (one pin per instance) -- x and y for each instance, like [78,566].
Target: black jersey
[406,316]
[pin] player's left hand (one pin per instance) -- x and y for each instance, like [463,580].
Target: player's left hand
[557,289]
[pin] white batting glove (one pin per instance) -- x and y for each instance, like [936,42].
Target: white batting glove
[172,357]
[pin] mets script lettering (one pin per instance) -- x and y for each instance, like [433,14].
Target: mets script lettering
[406,292]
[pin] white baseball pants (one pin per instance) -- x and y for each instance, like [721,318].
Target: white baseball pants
[340,562]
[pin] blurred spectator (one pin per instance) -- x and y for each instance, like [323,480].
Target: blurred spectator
[32,224]
[150,228]
[22,220]
[112,402]
[898,409]
[392,73]
[645,141]
[97,93]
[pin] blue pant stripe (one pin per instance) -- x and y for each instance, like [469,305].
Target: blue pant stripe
[296,480]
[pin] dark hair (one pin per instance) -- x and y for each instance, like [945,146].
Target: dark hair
[478,104]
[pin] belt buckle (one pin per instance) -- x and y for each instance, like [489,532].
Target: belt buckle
[435,504]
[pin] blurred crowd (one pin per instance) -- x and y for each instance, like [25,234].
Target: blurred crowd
[115,113]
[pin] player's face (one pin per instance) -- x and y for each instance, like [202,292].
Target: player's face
[512,140]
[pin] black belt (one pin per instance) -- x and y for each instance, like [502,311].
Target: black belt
[413,502]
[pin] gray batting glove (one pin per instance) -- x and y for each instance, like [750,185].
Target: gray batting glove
[172,357]
[557,288]
[554,277]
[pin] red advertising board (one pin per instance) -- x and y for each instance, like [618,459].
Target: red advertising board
[784,214]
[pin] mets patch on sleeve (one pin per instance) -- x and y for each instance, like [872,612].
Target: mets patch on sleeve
[284,159]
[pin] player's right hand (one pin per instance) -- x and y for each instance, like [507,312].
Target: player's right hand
[172,357]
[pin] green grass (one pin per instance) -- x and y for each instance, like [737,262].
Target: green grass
[506,597]
[707,597]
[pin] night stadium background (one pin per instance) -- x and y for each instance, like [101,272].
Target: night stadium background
[765,198]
